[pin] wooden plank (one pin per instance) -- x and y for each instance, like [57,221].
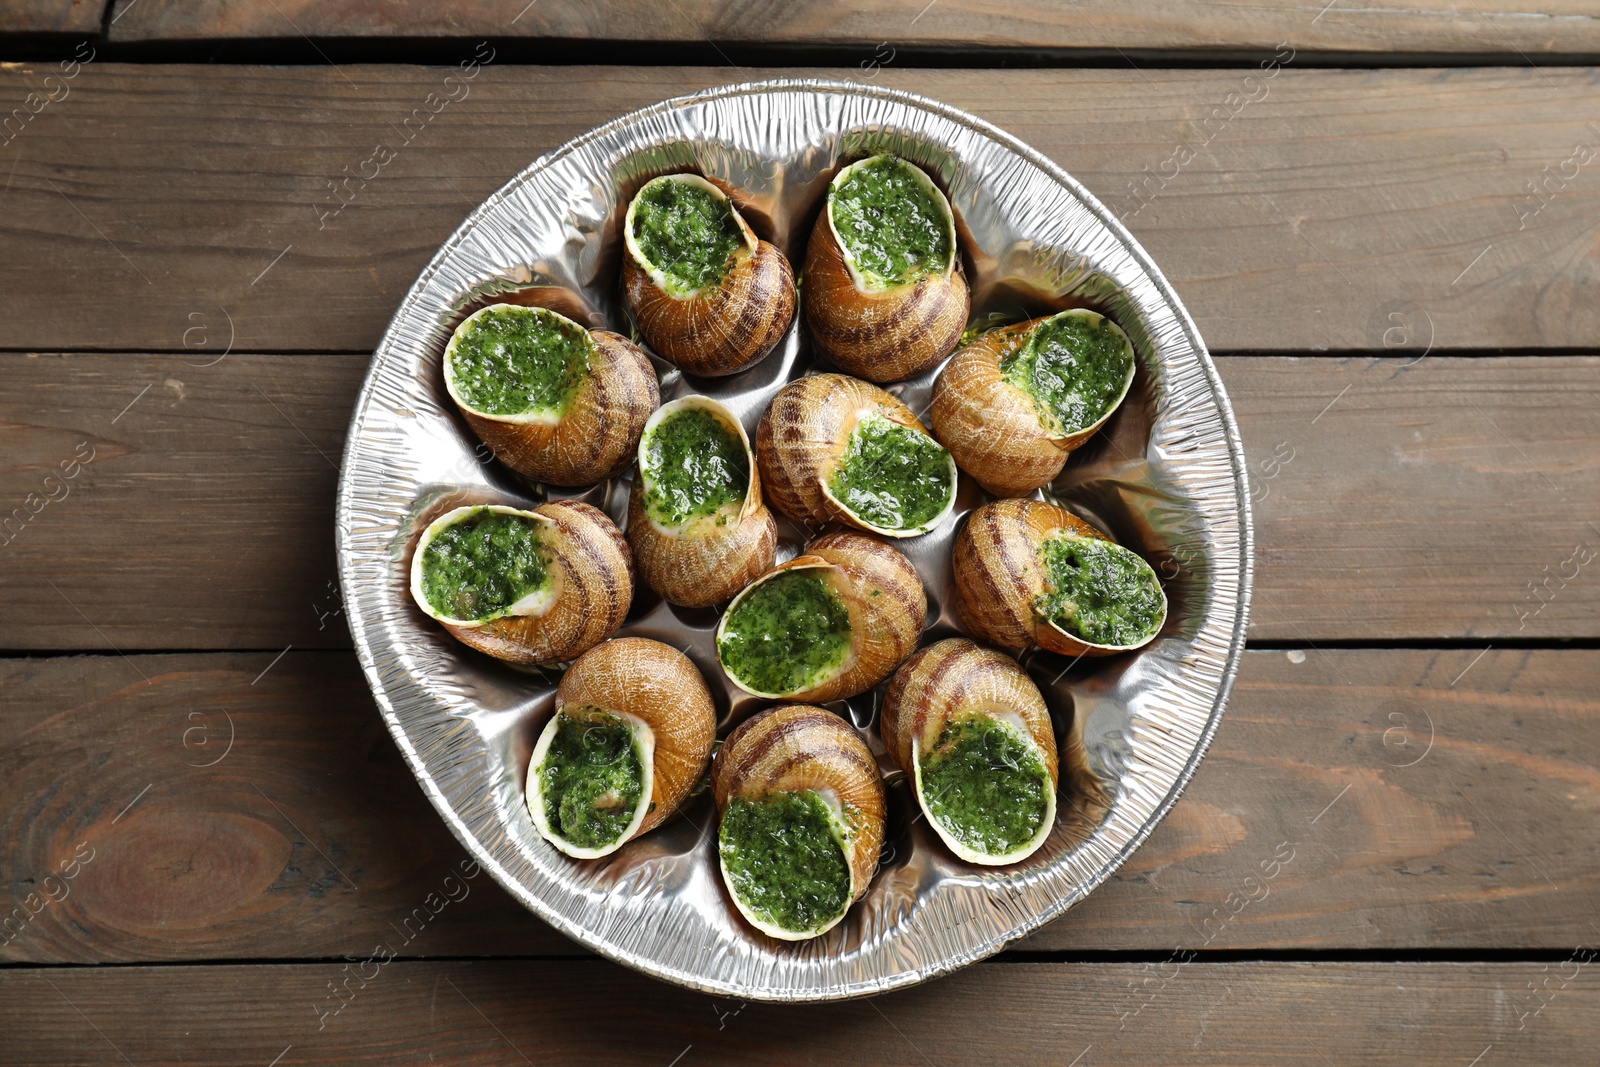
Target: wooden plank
[51,16]
[209,498]
[1277,1014]
[251,443]
[1406,786]
[1537,27]
[233,806]
[1331,209]
[1380,486]
[1374,804]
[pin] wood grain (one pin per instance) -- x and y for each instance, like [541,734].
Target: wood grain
[1277,1014]
[1353,800]
[1376,210]
[1544,27]
[251,443]
[1406,785]
[51,16]
[230,807]
[1392,501]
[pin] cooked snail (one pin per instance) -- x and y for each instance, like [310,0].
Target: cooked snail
[538,586]
[884,294]
[630,736]
[828,624]
[1029,573]
[831,447]
[970,729]
[1013,403]
[801,810]
[706,293]
[699,529]
[553,401]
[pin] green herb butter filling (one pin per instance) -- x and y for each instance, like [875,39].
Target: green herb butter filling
[891,222]
[892,476]
[784,860]
[1075,366]
[1098,591]
[513,360]
[985,785]
[694,465]
[476,568]
[686,232]
[785,634]
[592,778]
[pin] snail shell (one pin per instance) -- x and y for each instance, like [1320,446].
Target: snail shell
[947,682]
[999,577]
[720,328]
[594,436]
[883,334]
[883,597]
[707,559]
[657,692]
[584,599]
[803,435]
[794,748]
[993,428]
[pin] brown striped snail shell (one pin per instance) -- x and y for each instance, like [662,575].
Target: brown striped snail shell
[584,600]
[947,682]
[710,558]
[657,692]
[721,328]
[882,334]
[594,436]
[883,596]
[793,748]
[804,433]
[993,428]
[998,577]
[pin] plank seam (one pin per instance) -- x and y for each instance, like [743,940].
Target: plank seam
[536,51]
[1087,957]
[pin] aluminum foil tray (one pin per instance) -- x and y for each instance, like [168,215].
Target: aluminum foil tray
[1166,476]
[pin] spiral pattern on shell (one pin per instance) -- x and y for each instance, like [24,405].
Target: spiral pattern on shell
[951,680]
[953,677]
[993,428]
[995,560]
[591,579]
[886,603]
[707,561]
[803,434]
[797,747]
[989,425]
[595,436]
[885,335]
[722,328]
[658,685]
[887,611]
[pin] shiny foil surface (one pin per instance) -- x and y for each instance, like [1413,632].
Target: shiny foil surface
[1166,476]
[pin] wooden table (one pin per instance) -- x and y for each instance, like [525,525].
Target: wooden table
[1391,245]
